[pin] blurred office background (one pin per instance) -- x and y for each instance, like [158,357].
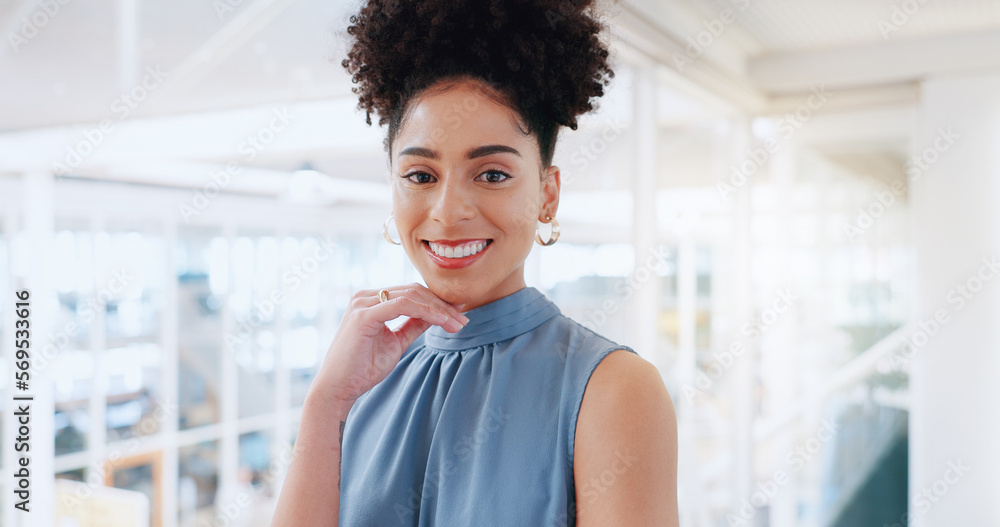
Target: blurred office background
[791,208]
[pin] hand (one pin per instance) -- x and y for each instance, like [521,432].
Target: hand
[365,350]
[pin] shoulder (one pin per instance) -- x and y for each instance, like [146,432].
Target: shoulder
[625,385]
[625,464]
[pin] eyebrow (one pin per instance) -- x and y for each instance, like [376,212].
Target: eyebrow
[479,151]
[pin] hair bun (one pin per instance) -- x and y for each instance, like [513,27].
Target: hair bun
[546,56]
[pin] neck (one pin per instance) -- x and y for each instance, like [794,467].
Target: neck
[511,285]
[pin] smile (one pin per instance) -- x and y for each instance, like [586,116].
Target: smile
[456,254]
[459,251]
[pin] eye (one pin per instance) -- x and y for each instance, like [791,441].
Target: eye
[417,174]
[496,172]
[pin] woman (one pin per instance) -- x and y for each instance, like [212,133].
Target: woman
[511,413]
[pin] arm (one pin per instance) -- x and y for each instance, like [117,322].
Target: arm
[363,352]
[309,496]
[625,460]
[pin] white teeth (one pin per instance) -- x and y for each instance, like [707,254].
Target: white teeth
[458,252]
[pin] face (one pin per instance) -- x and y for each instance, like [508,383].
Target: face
[465,178]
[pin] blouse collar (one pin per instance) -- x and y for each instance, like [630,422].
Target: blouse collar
[501,319]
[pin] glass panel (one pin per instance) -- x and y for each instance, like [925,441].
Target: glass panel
[202,268]
[5,373]
[133,384]
[130,266]
[198,483]
[136,259]
[80,305]
[819,299]
[316,304]
[140,474]
[595,284]
[255,299]
[72,374]
[667,321]
[302,351]
[256,478]
[73,475]
[703,298]
[71,423]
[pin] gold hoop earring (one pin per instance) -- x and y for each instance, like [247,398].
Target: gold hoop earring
[385,231]
[552,237]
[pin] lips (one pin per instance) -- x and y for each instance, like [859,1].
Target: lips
[450,248]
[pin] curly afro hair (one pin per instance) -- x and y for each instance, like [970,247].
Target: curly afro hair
[541,58]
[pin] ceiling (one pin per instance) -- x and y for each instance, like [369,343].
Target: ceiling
[227,65]
[800,25]
[91,51]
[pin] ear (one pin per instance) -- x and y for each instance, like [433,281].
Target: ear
[551,183]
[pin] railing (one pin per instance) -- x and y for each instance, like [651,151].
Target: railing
[867,430]
[869,419]
[859,369]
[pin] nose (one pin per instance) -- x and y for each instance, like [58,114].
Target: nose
[453,201]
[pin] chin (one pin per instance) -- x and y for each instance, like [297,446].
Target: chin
[451,291]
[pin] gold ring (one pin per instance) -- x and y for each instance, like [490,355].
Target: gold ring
[383,295]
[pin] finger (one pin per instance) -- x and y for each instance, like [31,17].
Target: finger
[413,308]
[410,330]
[420,294]
[370,297]
[365,298]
